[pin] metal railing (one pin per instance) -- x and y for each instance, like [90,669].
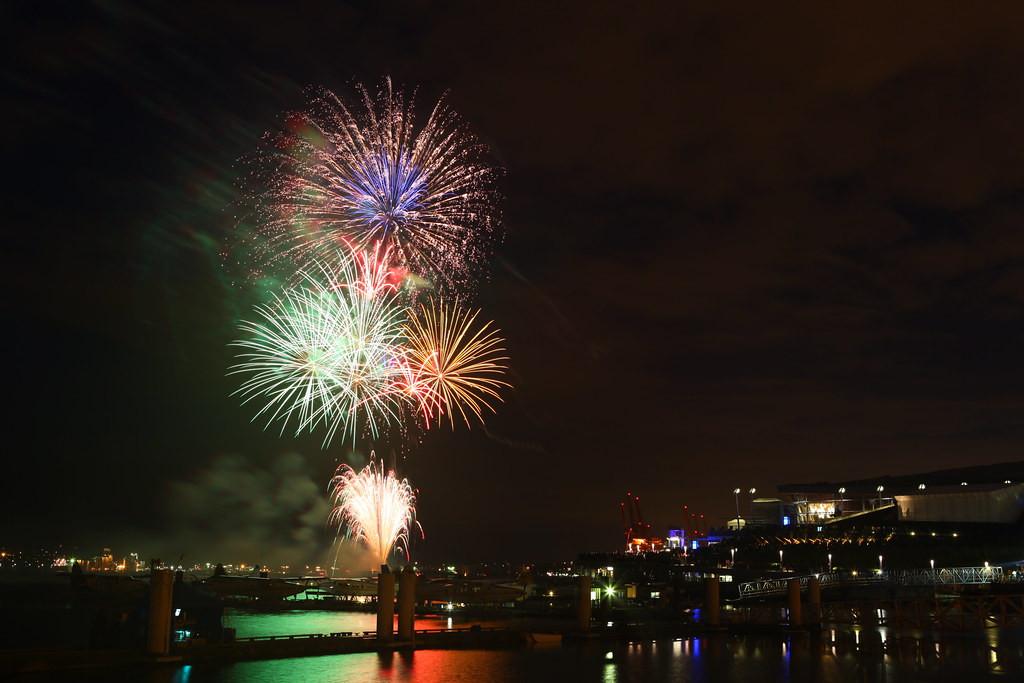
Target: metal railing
[913,577]
[762,587]
[367,634]
[947,576]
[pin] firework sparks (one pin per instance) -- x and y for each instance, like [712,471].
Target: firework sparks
[457,365]
[374,508]
[327,352]
[364,176]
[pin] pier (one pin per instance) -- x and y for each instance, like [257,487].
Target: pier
[263,647]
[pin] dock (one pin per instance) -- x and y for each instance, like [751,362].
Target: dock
[314,644]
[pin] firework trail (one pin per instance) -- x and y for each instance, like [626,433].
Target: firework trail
[374,508]
[329,351]
[457,364]
[368,174]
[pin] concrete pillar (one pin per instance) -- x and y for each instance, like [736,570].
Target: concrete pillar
[583,607]
[814,599]
[407,604]
[161,592]
[795,618]
[712,603]
[385,605]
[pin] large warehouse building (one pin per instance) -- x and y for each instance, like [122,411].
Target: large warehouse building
[988,494]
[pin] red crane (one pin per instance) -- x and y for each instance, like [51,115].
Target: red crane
[633,524]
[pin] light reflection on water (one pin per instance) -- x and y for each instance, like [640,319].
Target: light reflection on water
[836,654]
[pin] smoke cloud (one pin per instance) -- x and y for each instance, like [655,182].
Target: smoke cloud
[240,509]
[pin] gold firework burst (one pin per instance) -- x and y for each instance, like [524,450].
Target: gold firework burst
[458,364]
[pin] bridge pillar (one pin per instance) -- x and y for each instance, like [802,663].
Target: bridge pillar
[385,605]
[583,607]
[407,604]
[793,602]
[158,633]
[712,603]
[813,600]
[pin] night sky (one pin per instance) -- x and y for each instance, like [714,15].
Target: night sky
[742,248]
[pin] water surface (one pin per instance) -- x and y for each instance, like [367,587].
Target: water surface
[846,654]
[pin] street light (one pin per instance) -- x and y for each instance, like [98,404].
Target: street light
[732,552]
[736,492]
[830,562]
[780,559]
[879,564]
[921,487]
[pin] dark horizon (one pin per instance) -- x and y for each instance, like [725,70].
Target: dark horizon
[741,249]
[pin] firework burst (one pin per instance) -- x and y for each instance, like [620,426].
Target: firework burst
[368,174]
[328,352]
[456,364]
[374,508]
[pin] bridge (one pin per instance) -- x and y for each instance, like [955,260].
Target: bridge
[947,576]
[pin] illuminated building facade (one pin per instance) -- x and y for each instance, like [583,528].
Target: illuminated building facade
[989,494]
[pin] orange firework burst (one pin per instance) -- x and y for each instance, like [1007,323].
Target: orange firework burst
[454,364]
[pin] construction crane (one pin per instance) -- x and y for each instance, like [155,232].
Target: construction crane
[637,532]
